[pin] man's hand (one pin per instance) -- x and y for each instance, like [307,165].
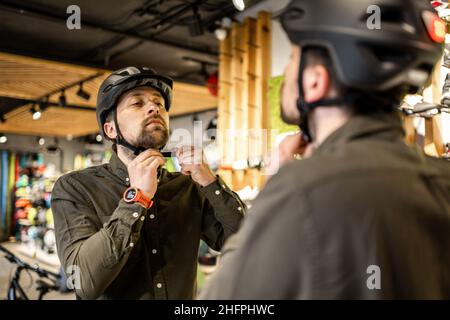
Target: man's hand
[143,171]
[192,162]
[293,145]
[290,147]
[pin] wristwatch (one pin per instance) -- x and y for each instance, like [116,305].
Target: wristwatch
[133,194]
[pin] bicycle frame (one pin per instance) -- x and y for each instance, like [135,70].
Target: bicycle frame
[15,287]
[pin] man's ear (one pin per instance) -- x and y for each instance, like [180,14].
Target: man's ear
[316,83]
[110,130]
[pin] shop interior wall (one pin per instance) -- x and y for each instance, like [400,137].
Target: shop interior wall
[19,143]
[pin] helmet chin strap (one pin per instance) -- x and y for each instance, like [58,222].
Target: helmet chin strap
[305,108]
[120,140]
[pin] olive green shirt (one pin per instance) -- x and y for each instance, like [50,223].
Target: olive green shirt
[365,217]
[124,251]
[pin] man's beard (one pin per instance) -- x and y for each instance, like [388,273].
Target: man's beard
[285,116]
[156,138]
[287,119]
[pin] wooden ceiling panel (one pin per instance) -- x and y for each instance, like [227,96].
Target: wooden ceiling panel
[30,78]
[188,98]
[55,121]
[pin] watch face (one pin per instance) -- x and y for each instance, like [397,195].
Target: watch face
[130,194]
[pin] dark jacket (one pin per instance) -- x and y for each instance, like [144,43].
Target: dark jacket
[123,251]
[365,207]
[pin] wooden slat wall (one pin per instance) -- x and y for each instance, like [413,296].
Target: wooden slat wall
[224,105]
[433,144]
[263,62]
[244,72]
[54,122]
[31,78]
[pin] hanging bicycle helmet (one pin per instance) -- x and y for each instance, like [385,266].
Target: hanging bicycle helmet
[121,81]
[374,46]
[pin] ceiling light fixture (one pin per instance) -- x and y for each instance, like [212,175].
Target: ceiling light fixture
[82,93]
[41,141]
[3,138]
[239,4]
[196,25]
[62,101]
[36,114]
[220,34]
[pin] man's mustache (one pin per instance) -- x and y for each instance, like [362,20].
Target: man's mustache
[147,121]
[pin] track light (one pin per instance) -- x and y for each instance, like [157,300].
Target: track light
[62,99]
[220,34]
[196,26]
[43,105]
[239,4]
[3,138]
[83,94]
[36,114]
[54,148]
[41,141]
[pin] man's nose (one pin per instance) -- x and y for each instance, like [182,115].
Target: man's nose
[152,108]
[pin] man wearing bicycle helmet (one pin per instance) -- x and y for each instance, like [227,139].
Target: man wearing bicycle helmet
[364,216]
[129,229]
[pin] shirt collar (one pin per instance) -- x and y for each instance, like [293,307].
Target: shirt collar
[120,169]
[384,126]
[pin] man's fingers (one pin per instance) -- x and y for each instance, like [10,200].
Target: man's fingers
[186,169]
[190,154]
[183,150]
[155,163]
[149,160]
[147,154]
[293,144]
[191,159]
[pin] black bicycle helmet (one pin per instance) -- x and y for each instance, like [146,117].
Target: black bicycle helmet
[398,53]
[121,81]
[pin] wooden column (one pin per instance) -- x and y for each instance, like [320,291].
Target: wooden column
[244,73]
[434,145]
[223,123]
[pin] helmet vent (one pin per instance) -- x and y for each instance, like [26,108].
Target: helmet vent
[391,56]
[293,15]
[388,14]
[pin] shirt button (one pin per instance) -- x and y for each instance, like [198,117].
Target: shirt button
[159,285]
[239,208]
[131,244]
[217,192]
[142,218]
[154,251]
[152,216]
[135,214]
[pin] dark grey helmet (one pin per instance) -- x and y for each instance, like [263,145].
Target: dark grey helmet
[400,53]
[121,81]
[399,56]
[126,79]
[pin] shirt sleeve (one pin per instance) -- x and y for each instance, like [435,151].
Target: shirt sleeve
[95,257]
[223,212]
[261,260]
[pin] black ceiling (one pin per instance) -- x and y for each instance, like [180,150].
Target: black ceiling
[118,33]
